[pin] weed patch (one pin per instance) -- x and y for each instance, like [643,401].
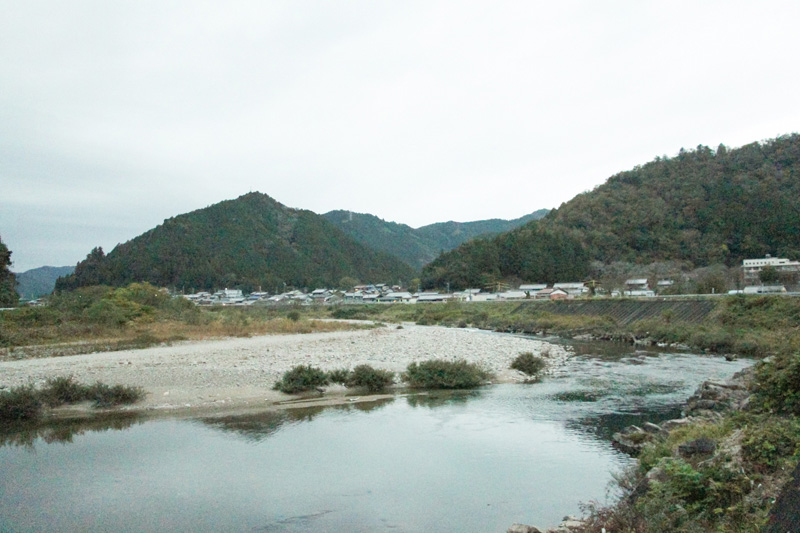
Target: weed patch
[528,364]
[300,379]
[438,374]
[372,379]
[27,403]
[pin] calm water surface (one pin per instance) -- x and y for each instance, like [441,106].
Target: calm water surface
[476,461]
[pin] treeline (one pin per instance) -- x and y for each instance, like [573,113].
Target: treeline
[246,243]
[702,207]
[532,252]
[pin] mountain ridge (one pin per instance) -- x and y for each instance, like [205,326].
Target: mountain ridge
[249,242]
[703,207]
[422,245]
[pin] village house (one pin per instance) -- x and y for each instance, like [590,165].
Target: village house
[513,295]
[638,287]
[572,289]
[559,294]
[764,289]
[533,288]
[429,297]
[396,297]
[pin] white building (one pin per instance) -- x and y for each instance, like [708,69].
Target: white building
[752,267]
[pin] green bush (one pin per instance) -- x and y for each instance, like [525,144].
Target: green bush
[438,374]
[528,364]
[107,395]
[301,378]
[294,316]
[20,403]
[768,444]
[63,390]
[26,402]
[777,386]
[340,376]
[372,379]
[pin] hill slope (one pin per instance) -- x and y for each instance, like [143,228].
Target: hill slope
[702,207]
[250,242]
[40,281]
[420,246]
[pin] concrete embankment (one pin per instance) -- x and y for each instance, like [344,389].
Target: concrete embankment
[625,312]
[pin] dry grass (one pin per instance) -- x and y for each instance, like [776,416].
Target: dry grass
[92,339]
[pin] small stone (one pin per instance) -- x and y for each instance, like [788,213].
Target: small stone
[523,528]
[701,446]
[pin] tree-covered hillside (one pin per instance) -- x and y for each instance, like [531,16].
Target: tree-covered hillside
[250,242]
[8,294]
[40,281]
[701,207]
[420,246]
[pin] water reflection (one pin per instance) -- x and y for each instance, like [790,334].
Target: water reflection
[434,399]
[256,427]
[63,431]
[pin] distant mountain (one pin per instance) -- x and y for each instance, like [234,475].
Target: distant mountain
[701,207]
[41,281]
[250,242]
[420,246]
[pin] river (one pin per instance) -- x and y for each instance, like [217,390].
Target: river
[464,461]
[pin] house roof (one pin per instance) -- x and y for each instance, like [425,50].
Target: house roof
[533,287]
[636,281]
[571,285]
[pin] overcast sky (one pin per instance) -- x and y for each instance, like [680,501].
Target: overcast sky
[116,115]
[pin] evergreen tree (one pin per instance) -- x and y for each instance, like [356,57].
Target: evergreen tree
[8,292]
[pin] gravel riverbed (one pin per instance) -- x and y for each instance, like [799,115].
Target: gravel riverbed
[238,372]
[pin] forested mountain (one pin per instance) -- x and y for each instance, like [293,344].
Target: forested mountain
[701,207]
[250,242]
[420,246]
[8,294]
[40,281]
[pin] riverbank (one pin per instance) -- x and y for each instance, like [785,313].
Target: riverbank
[236,373]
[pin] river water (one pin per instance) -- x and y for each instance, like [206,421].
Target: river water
[471,461]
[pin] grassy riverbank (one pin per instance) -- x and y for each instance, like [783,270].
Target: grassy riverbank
[98,319]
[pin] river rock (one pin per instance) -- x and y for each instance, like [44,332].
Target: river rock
[653,429]
[716,396]
[523,528]
[669,425]
[701,446]
[632,439]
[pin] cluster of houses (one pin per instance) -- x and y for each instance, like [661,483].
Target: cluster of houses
[382,293]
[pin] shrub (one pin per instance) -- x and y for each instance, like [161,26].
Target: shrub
[778,384]
[438,374]
[528,364]
[770,443]
[61,390]
[301,378]
[372,379]
[107,395]
[294,316]
[20,403]
[340,376]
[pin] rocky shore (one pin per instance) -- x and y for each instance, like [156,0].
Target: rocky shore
[239,372]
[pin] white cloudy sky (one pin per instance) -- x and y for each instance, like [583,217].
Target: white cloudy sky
[116,115]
